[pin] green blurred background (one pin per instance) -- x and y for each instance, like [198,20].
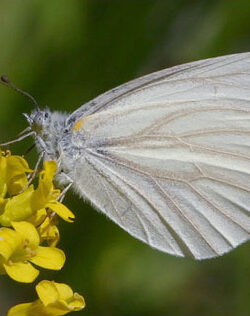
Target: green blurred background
[66,52]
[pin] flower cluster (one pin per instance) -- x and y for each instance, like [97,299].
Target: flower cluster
[29,235]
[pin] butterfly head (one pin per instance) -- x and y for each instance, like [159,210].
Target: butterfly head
[39,120]
[48,128]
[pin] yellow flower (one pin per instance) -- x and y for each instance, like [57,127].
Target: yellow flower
[48,231]
[22,206]
[13,177]
[13,171]
[17,208]
[55,299]
[20,247]
[46,195]
[46,225]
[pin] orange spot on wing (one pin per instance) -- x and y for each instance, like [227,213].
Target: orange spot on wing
[79,123]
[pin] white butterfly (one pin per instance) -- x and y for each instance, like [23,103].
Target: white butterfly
[165,156]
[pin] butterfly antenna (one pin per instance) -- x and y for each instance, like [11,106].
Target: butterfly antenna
[5,80]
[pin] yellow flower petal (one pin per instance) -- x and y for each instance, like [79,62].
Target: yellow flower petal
[77,303]
[17,165]
[3,203]
[21,272]
[50,168]
[13,177]
[28,232]
[9,242]
[3,174]
[28,309]
[55,193]
[16,178]
[49,258]
[18,208]
[47,292]
[53,236]
[58,308]
[61,210]
[65,291]
[48,231]
[16,185]
[45,187]
[38,217]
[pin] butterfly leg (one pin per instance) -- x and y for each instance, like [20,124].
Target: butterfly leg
[18,139]
[32,175]
[65,180]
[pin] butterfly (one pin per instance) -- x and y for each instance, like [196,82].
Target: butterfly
[165,156]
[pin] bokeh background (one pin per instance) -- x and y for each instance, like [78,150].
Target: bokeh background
[66,52]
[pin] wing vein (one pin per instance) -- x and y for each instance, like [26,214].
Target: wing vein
[151,204]
[180,211]
[117,161]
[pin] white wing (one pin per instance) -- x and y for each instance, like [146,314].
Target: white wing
[167,156]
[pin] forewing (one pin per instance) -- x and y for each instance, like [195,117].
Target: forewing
[169,161]
[143,89]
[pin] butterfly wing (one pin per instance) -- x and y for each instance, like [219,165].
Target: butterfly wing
[167,156]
